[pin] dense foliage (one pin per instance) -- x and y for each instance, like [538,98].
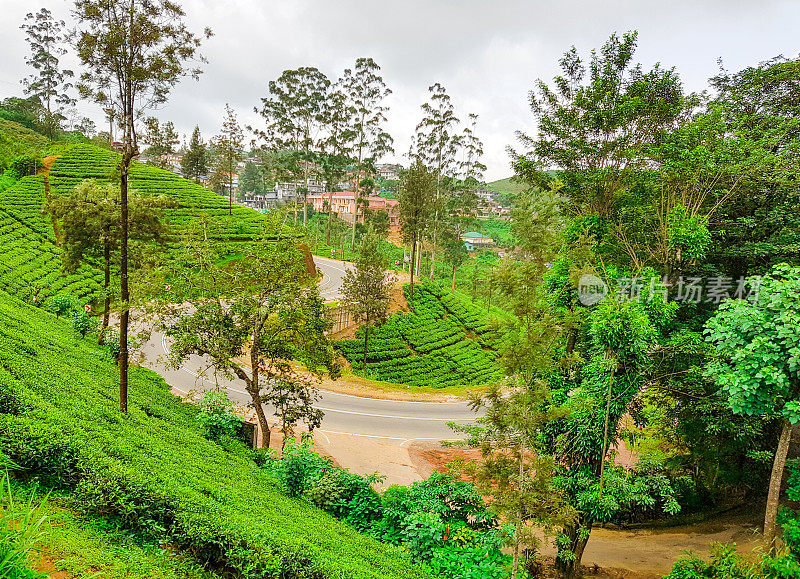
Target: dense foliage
[441,522]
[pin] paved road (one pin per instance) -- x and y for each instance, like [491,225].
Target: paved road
[392,421]
[333,272]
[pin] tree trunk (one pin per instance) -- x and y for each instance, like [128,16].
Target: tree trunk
[515,559]
[330,217]
[230,191]
[413,265]
[433,255]
[254,390]
[577,535]
[353,232]
[775,481]
[366,342]
[106,284]
[123,279]
[453,288]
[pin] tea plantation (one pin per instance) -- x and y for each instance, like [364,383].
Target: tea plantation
[31,267]
[87,162]
[445,341]
[153,471]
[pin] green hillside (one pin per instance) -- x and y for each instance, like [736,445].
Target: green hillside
[153,471]
[444,341]
[16,140]
[32,265]
[506,187]
[81,162]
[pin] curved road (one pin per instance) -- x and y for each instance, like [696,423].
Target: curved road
[393,421]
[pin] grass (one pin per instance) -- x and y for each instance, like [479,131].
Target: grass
[85,546]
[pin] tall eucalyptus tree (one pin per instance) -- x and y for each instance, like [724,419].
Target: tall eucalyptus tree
[294,111]
[134,53]
[436,144]
[365,91]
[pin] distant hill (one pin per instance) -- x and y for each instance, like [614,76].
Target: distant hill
[507,187]
[16,140]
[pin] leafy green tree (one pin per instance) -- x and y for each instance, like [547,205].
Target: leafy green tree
[365,90]
[365,291]
[759,363]
[436,144]
[228,151]
[596,121]
[293,401]
[162,139]
[336,156]
[89,219]
[455,254]
[759,226]
[49,83]
[417,198]
[251,180]
[514,472]
[470,166]
[601,388]
[262,306]
[135,52]
[293,112]
[195,160]
[217,415]
[378,220]
[87,127]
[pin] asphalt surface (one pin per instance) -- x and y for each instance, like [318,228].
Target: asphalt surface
[391,421]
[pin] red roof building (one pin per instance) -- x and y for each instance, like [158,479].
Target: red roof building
[343,204]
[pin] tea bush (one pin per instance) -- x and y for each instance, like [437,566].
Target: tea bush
[445,341]
[153,470]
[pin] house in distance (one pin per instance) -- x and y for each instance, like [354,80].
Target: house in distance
[474,240]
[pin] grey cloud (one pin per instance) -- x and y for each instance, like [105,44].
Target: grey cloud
[487,53]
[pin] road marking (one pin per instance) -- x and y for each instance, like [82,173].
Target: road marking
[438,439]
[394,415]
[432,419]
[364,435]
[387,400]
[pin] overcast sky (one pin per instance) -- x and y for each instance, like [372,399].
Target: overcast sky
[487,54]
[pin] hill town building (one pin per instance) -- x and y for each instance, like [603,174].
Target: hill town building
[344,203]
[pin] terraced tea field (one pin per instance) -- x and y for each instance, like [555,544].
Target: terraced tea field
[87,162]
[31,264]
[445,341]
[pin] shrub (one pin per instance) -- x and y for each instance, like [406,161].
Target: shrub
[216,415]
[441,522]
[25,165]
[299,467]
[61,304]
[82,322]
[724,563]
